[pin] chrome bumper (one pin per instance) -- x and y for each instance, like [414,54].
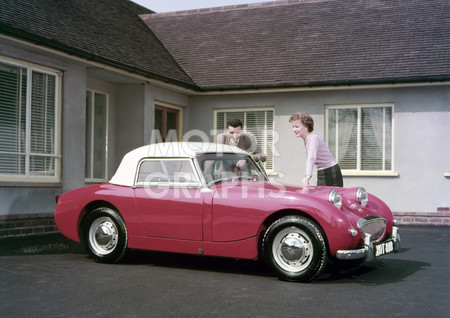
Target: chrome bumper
[367,251]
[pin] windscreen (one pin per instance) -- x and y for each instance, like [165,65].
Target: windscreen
[221,167]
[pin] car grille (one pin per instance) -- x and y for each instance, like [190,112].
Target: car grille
[373,225]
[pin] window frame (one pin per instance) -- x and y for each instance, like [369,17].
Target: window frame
[28,177]
[265,146]
[358,171]
[91,179]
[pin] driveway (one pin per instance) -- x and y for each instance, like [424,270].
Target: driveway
[51,276]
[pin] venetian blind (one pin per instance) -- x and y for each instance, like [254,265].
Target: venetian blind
[361,137]
[13,82]
[27,124]
[42,127]
[257,122]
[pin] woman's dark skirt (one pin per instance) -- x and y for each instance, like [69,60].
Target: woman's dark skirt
[330,177]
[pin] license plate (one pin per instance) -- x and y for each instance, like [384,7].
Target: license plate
[383,248]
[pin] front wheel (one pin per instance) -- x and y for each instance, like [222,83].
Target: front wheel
[105,236]
[294,248]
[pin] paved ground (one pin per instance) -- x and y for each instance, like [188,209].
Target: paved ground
[50,276]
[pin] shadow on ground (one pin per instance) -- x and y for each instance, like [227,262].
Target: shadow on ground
[378,272]
[44,244]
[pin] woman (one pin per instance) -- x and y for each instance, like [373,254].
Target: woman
[317,153]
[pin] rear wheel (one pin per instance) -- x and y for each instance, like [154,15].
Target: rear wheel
[105,235]
[294,248]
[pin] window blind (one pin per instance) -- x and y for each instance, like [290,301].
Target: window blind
[257,122]
[360,137]
[28,114]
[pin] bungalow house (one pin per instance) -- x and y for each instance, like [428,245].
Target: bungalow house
[84,82]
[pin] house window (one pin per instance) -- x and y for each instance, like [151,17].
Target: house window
[360,137]
[96,166]
[28,123]
[258,122]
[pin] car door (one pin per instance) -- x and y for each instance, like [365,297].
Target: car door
[238,211]
[168,198]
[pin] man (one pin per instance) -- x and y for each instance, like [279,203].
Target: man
[234,136]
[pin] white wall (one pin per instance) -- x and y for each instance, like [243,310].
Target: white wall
[421,136]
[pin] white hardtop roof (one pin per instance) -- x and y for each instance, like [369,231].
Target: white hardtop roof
[125,174]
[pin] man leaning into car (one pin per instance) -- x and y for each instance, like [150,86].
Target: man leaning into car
[234,136]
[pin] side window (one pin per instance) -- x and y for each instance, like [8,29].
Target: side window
[178,172]
[181,171]
[151,171]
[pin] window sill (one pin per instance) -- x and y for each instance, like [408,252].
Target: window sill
[370,174]
[95,181]
[30,184]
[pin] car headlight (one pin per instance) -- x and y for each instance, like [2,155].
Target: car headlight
[361,196]
[335,198]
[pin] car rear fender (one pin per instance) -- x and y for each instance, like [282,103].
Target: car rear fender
[70,208]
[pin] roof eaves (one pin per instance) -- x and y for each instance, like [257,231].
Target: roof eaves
[335,83]
[383,81]
[41,41]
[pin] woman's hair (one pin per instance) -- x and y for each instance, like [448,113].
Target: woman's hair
[305,119]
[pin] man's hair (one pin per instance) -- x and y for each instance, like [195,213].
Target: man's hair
[234,123]
[305,119]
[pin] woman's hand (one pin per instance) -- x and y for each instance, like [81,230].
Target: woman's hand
[305,181]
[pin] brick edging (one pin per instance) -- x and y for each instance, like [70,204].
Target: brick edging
[25,216]
[439,218]
[27,225]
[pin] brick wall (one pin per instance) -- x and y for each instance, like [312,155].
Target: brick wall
[439,218]
[27,225]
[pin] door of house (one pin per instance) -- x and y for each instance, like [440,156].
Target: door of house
[167,121]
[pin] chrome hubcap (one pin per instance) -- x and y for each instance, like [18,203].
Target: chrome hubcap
[292,249]
[103,235]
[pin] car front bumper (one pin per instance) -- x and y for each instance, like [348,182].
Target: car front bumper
[372,250]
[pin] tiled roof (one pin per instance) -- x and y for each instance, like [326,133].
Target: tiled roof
[309,42]
[272,44]
[108,31]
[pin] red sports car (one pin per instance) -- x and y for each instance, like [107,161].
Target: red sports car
[212,199]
